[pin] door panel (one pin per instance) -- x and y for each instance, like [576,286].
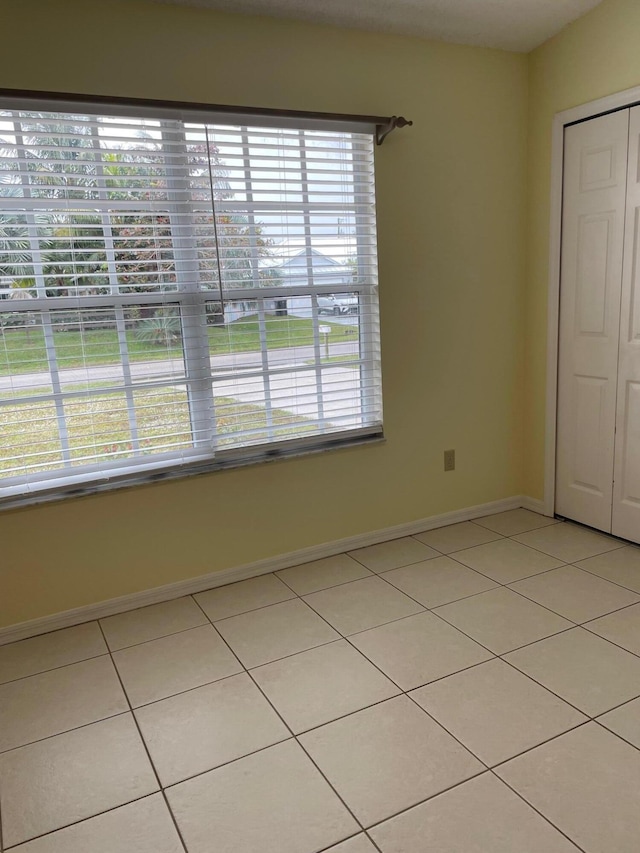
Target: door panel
[626,490]
[594,257]
[590,422]
[595,175]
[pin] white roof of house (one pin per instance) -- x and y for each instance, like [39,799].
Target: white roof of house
[337,248]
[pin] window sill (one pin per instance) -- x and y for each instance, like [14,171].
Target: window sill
[222,462]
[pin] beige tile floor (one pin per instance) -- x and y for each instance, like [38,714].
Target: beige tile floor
[473,689]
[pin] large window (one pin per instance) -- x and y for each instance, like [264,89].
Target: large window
[178,294]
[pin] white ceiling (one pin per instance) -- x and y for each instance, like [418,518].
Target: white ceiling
[518,25]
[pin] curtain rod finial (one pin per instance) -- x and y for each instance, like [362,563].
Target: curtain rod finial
[383,130]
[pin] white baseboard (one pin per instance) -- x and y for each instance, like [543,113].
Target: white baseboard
[533,504]
[54,622]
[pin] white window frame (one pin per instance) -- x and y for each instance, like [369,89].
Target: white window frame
[204,456]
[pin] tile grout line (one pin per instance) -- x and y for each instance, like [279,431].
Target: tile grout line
[331,586]
[53,668]
[211,621]
[501,657]
[360,833]
[606,639]
[153,639]
[82,820]
[437,722]
[625,543]
[573,566]
[538,812]
[146,749]
[494,655]
[585,722]
[426,608]
[64,732]
[526,598]
[506,584]
[362,630]
[300,595]
[612,732]
[411,563]
[446,790]
[567,562]
[403,692]
[596,575]
[284,722]
[616,708]
[478,521]
[474,595]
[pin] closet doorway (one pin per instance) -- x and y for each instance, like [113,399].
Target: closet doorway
[597,425]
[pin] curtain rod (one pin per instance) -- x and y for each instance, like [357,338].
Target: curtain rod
[381,126]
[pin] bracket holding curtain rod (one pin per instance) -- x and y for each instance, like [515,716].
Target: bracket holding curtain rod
[383,130]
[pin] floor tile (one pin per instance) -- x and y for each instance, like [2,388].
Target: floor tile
[586,783]
[48,651]
[361,604]
[150,623]
[76,775]
[274,632]
[235,598]
[506,561]
[514,521]
[274,801]
[620,566]
[393,554]
[419,649]
[53,702]
[322,684]
[455,537]
[358,844]
[588,672]
[575,594]
[387,758]
[568,542]
[502,620]
[438,581]
[495,711]
[622,628]
[170,665]
[479,816]
[321,574]
[207,727]
[145,826]
[624,721]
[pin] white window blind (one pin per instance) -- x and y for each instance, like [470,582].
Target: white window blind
[176,295]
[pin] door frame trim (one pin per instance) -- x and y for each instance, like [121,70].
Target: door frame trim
[591,109]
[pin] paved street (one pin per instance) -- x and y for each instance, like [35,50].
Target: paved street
[294,391]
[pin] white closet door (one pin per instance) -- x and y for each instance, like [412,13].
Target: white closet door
[626,490]
[595,172]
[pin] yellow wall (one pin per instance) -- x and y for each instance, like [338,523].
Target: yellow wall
[596,56]
[451,206]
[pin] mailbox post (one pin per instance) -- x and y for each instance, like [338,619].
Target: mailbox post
[326,331]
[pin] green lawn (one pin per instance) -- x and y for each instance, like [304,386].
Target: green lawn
[23,351]
[99,425]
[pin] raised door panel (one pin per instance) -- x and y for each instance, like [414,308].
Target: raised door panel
[595,170]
